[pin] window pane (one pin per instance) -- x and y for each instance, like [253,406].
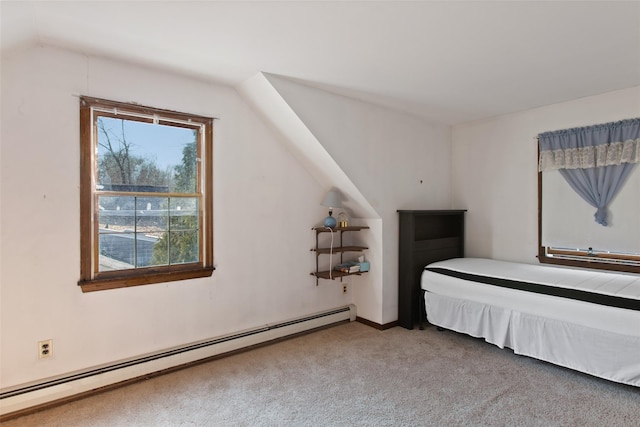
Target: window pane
[116,219]
[151,249]
[151,213]
[116,213]
[183,247]
[184,213]
[145,157]
[116,251]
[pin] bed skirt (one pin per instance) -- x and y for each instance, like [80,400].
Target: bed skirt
[597,340]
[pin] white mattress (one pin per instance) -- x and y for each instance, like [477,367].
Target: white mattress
[596,339]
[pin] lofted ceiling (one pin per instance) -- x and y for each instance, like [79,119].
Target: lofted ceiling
[449,61]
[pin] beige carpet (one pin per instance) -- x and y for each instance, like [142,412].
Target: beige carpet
[354,375]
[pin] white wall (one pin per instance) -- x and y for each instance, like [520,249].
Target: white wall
[395,160]
[265,205]
[495,171]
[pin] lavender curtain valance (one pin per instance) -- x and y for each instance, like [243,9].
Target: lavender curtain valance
[591,146]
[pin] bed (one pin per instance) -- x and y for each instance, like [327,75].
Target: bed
[580,319]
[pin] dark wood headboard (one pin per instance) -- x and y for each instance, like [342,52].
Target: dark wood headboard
[425,236]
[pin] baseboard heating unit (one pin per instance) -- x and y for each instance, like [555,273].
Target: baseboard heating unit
[26,397]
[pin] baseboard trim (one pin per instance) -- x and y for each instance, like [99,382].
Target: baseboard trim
[378,326]
[21,400]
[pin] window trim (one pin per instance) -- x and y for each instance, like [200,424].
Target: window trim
[90,278]
[546,256]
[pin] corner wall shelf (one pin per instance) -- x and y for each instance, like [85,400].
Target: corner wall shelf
[338,249]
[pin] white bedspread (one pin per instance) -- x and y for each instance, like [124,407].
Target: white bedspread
[596,339]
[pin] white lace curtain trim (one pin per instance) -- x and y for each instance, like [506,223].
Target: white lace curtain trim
[614,153]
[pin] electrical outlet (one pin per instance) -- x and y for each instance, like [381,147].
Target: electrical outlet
[45,349]
[344,288]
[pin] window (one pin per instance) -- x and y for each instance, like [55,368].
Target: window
[597,164]
[146,207]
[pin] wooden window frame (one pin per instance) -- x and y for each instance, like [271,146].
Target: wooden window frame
[90,278]
[580,258]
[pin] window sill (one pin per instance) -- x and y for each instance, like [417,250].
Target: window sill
[148,278]
[590,263]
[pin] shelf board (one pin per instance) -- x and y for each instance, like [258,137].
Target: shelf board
[340,249]
[349,228]
[335,274]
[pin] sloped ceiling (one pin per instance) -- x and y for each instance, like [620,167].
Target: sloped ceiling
[448,61]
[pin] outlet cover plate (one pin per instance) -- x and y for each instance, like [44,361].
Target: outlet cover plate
[45,349]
